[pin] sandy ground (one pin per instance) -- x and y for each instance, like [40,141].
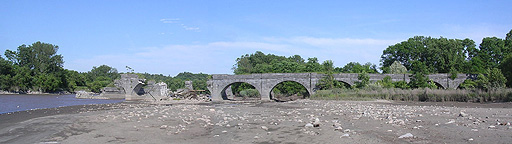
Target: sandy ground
[301,121]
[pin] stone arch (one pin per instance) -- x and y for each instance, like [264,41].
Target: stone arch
[345,83]
[303,84]
[138,90]
[439,85]
[228,85]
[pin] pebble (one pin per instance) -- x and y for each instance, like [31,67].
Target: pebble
[462,114]
[407,135]
[309,125]
[492,126]
[264,128]
[345,135]
[451,121]
[470,139]
[347,130]
[316,123]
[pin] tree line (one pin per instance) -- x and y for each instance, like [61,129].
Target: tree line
[38,68]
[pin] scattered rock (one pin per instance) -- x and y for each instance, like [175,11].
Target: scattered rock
[462,114]
[451,121]
[345,135]
[264,128]
[339,128]
[316,123]
[407,135]
[309,125]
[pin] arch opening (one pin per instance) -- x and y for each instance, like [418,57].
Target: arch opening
[289,91]
[240,91]
[336,84]
[438,85]
[342,85]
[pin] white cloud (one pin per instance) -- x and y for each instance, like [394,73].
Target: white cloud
[190,28]
[178,21]
[170,20]
[219,57]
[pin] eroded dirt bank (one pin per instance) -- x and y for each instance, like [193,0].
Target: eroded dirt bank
[302,121]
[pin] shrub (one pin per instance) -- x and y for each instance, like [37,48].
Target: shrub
[249,93]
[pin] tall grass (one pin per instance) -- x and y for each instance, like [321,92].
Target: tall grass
[429,95]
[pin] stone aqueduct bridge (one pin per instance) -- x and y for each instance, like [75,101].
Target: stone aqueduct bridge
[264,83]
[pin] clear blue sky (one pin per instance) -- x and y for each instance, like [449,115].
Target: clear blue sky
[169,37]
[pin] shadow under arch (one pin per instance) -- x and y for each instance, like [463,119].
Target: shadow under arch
[337,84]
[289,91]
[341,84]
[439,86]
[232,91]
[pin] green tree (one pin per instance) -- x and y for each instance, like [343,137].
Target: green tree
[364,80]
[99,83]
[508,42]
[102,71]
[355,67]
[6,72]
[290,88]
[468,84]
[439,54]
[401,84]
[22,79]
[491,51]
[327,82]
[175,84]
[47,83]
[492,81]
[5,82]
[419,78]
[312,65]
[506,68]
[396,68]
[475,66]
[73,79]
[496,79]
[386,82]
[40,57]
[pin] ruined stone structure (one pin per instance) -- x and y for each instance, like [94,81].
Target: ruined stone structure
[131,87]
[264,83]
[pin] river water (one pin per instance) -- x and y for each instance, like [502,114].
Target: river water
[13,103]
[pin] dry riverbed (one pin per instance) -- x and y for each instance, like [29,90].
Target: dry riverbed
[301,121]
